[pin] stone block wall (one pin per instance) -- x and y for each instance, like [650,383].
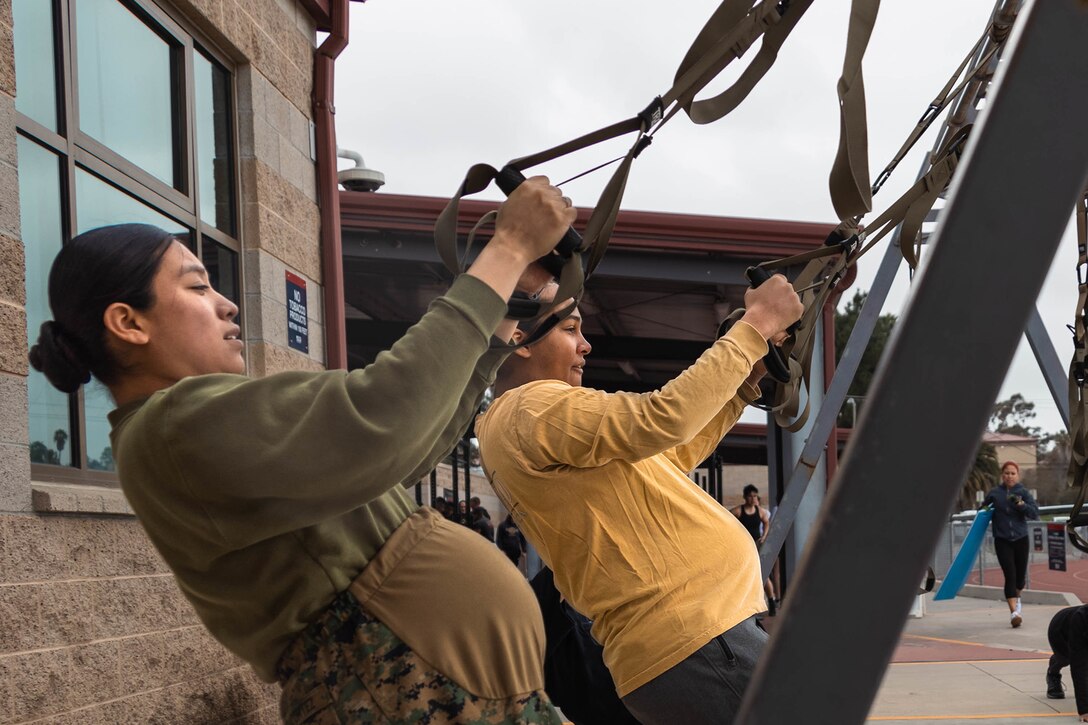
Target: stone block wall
[94,630]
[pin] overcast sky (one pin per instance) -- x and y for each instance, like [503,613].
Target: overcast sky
[426,88]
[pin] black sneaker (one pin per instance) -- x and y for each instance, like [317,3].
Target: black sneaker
[1054,689]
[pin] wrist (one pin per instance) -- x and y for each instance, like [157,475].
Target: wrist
[506,250]
[762,323]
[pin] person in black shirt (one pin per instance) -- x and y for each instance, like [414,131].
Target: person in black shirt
[575,676]
[1068,635]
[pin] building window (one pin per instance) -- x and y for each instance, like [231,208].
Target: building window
[124,115]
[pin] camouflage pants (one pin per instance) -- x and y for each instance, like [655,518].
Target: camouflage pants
[348,668]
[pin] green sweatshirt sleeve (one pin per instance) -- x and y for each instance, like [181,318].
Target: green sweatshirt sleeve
[267,456]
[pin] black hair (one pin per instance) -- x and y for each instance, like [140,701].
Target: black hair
[92,271]
[750,489]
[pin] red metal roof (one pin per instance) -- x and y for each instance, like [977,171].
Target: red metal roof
[761,238]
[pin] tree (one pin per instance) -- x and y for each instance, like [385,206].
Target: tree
[60,437]
[1013,416]
[845,320]
[104,462]
[41,453]
[1058,448]
[982,476]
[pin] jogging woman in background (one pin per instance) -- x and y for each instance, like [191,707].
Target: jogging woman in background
[1013,507]
[279,502]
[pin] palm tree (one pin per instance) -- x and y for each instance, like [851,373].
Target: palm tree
[60,437]
[981,477]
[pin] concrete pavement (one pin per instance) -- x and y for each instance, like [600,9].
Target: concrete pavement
[963,664]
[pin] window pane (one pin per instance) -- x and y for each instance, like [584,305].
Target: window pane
[222,266]
[97,403]
[35,72]
[98,204]
[124,81]
[213,143]
[39,197]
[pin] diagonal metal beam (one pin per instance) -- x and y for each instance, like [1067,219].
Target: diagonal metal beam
[1056,376]
[829,409]
[944,365]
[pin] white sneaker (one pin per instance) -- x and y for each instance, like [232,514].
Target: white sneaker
[1015,619]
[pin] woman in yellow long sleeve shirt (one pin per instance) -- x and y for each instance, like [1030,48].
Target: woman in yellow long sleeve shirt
[598,482]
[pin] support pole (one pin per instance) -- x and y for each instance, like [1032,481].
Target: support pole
[1056,376]
[829,410]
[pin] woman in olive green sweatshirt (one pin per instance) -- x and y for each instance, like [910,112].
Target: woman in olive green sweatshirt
[279,502]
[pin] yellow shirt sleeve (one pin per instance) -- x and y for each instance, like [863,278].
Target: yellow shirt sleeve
[556,424]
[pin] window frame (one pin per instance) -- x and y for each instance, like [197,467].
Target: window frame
[76,149]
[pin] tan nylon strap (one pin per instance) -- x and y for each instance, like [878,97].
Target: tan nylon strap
[825,265]
[445,227]
[931,185]
[938,104]
[763,20]
[851,192]
[621,128]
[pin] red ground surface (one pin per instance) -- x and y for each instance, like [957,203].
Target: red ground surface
[915,648]
[1074,579]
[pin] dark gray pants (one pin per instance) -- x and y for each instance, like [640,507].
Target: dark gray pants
[707,687]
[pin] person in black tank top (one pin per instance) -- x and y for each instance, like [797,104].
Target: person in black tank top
[751,521]
[756,520]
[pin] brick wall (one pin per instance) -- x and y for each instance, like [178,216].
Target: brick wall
[94,630]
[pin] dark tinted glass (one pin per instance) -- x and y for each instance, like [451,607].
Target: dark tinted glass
[222,266]
[213,143]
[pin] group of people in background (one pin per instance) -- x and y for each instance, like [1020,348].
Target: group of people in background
[507,536]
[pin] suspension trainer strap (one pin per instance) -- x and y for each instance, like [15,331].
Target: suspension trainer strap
[851,193]
[949,93]
[731,31]
[825,267]
[733,28]
[1078,403]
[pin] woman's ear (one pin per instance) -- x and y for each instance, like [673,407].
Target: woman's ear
[524,352]
[124,322]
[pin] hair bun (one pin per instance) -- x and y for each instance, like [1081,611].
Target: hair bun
[55,357]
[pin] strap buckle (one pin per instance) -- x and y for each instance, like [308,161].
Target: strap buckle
[522,307]
[643,142]
[652,114]
[848,243]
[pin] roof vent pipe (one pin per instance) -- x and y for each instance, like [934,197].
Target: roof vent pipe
[359,177]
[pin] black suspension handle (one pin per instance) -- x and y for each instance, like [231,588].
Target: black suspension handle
[571,243]
[776,362]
